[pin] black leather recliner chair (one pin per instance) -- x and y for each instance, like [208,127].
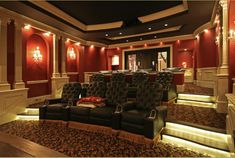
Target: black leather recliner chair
[81,114]
[165,78]
[146,116]
[116,94]
[55,109]
[137,79]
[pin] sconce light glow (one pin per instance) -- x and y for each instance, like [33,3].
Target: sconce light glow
[91,46]
[103,48]
[27,26]
[197,36]
[206,30]
[161,43]
[72,54]
[118,48]
[37,56]
[131,47]
[145,45]
[67,40]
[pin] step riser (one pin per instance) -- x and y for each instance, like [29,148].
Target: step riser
[196,103]
[200,139]
[26,117]
[200,98]
[195,146]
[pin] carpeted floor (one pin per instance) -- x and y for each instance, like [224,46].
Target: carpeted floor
[74,142]
[198,115]
[190,88]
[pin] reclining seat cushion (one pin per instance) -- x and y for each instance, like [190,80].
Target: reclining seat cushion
[148,96]
[138,78]
[56,107]
[96,89]
[102,112]
[135,116]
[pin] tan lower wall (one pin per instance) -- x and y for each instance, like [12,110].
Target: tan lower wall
[206,77]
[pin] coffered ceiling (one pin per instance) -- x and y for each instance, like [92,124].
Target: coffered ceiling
[112,22]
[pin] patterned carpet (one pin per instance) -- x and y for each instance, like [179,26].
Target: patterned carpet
[190,88]
[198,115]
[74,142]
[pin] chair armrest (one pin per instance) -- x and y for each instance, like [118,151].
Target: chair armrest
[53,101]
[72,102]
[84,90]
[125,107]
[159,111]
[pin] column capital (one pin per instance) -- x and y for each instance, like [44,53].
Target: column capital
[18,24]
[224,4]
[5,21]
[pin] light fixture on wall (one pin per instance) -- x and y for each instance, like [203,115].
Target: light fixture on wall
[72,54]
[115,60]
[47,34]
[37,56]
[217,40]
[231,34]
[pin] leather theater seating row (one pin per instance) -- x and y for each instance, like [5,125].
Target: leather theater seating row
[145,115]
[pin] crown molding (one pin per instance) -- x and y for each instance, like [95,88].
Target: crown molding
[153,41]
[59,13]
[165,13]
[175,28]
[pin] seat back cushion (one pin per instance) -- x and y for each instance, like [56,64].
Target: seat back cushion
[165,79]
[118,77]
[97,77]
[116,93]
[97,89]
[138,78]
[71,91]
[148,95]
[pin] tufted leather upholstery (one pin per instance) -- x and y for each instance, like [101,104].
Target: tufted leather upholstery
[165,78]
[98,77]
[55,108]
[169,90]
[116,93]
[71,91]
[138,78]
[149,95]
[118,77]
[96,89]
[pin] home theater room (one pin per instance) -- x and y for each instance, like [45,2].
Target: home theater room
[117,78]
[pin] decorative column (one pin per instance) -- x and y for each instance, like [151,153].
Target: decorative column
[4,85]
[63,57]
[55,57]
[222,73]
[18,55]
[58,82]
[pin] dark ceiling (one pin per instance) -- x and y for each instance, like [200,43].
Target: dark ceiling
[198,13]
[105,12]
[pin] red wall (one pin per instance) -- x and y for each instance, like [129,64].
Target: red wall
[37,70]
[207,53]
[10,53]
[231,44]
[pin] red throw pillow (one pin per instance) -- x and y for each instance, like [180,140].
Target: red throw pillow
[91,99]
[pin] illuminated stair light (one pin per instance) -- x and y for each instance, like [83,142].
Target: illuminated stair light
[195,147]
[196,103]
[193,97]
[27,117]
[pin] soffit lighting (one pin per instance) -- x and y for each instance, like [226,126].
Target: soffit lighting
[91,46]
[206,30]
[77,43]
[67,40]
[27,26]
[47,34]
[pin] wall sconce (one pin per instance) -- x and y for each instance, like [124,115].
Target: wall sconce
[72,54]
[115,60]
[231,34]
[217,40]
[37,56]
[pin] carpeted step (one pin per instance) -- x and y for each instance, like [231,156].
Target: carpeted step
[195,97]
[200,136]
[196,146]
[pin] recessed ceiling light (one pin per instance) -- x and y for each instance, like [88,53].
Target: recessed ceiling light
[106,35]
[166,25]
[149,28]
[120,33]
[155,36]
[141,39]
[127,40]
